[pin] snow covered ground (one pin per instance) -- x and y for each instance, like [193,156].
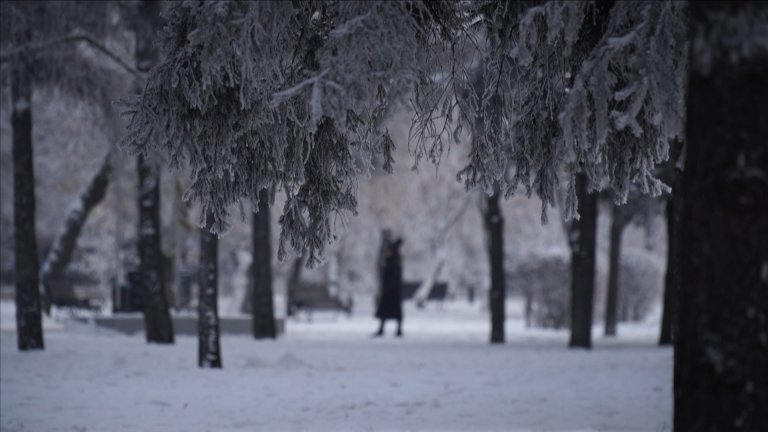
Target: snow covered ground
[330,375]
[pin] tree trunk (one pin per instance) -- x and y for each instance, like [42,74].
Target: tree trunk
[294,277]
[157,318]
[721,351]
[209,348]
[612,293]
[671,278]
[262,307]
[53,273]
[494,225]
[29,324]
[582,239]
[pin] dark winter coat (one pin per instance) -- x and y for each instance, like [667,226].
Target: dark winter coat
[391,300]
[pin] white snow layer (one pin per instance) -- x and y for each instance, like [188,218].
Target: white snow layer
[328,374]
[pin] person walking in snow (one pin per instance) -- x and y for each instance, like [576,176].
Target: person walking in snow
[390,297]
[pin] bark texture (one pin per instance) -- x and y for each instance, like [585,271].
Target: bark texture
[157,319]
[721,378]
[494,225]
[209,347]
[582,239]
[29,325]
[262,300]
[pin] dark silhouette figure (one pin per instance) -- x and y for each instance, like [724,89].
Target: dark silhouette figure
[390,297]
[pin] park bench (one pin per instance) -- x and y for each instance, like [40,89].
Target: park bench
[309,297]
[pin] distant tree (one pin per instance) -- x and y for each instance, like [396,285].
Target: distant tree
[638,208]
[208,334]
[53,271]
[721,344]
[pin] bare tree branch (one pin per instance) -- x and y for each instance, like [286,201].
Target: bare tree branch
[75,38]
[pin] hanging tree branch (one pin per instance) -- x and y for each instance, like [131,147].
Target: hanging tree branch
[73,38]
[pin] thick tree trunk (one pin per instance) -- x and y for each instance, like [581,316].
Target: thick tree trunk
[494,225]
[721,351]
[262,302]
[53,273]
[209,347]
[157,318]
[29,325]
[671,278]
[612,292]
[582,239]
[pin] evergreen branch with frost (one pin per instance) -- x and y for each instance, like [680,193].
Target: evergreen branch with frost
[609,111]
[278,95]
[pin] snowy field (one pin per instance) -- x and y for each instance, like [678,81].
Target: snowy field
[330,375]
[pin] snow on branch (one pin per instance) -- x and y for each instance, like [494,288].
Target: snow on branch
[255,95]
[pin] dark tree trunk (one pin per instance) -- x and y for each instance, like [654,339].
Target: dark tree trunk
[157,318]
[582,232]
[53,274]
[292,284]
[582,241]
[612,293]
[672,277]
[494,225]
[261,297]
[29,324]
[209,348]
[721,348]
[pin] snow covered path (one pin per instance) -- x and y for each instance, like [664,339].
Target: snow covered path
[329,375]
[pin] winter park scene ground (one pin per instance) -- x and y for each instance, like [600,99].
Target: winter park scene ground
[414,215]
[329,374]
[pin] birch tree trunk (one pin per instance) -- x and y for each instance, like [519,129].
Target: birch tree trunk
[157,319]
[53,273]
[209,347]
